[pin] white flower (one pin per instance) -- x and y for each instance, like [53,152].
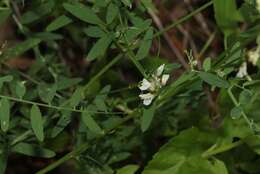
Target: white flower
[253,56]
[164,79]
[159,70]
[147,98]
[145,84]
[242,70]
[153,84]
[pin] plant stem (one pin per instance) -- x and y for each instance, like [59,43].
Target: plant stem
[131,55]
[185,18]
[231,95]
[55,107]
[222,149]
[102,71]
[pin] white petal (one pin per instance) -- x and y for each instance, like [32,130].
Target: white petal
[159,70]
[242,70]
[253,56]
[147,98]
[165,78]
[145,84]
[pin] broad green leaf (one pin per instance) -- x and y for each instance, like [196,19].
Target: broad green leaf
[20,89]
[236,112]
[91,123]
[4,79]
[47,92]
[83,12]
[213,80]
[58,23]
[129,169]
[226,15]
[37,122]
[147,118]
[4,14]
[19,49]
[112,12]
[64,120]
[100,47]
[94,31]
[182,155]
[4,114]
[207,64]
[245,97]
[33,150]
[145,45]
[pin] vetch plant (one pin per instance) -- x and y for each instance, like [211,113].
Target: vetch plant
[71,99]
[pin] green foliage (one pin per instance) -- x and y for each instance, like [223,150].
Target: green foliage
[91,61]
[37,122]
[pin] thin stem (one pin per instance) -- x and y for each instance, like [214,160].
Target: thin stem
[56,107]
[131,55]
[207,44]
[185,18]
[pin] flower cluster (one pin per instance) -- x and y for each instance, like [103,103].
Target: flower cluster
[152,85]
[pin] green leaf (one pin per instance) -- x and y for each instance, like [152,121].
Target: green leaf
[253,141]
[33,150]
[112,12]
[76,97]
[129,169]
[100,47]
[147,118]
[37,122]
[207,64]
[64,120]
[19,49]
[58,23]
[4,14]
[20,89]
[99,100]
[94,31]
[4,114]
[91,123]
[127,3]
[83,12]
[39,11]
[47,92]
[213,80]
[4,79]
[64,82]
[245,97]
[182,155]
[145,45]
[236,112]
[226,15]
